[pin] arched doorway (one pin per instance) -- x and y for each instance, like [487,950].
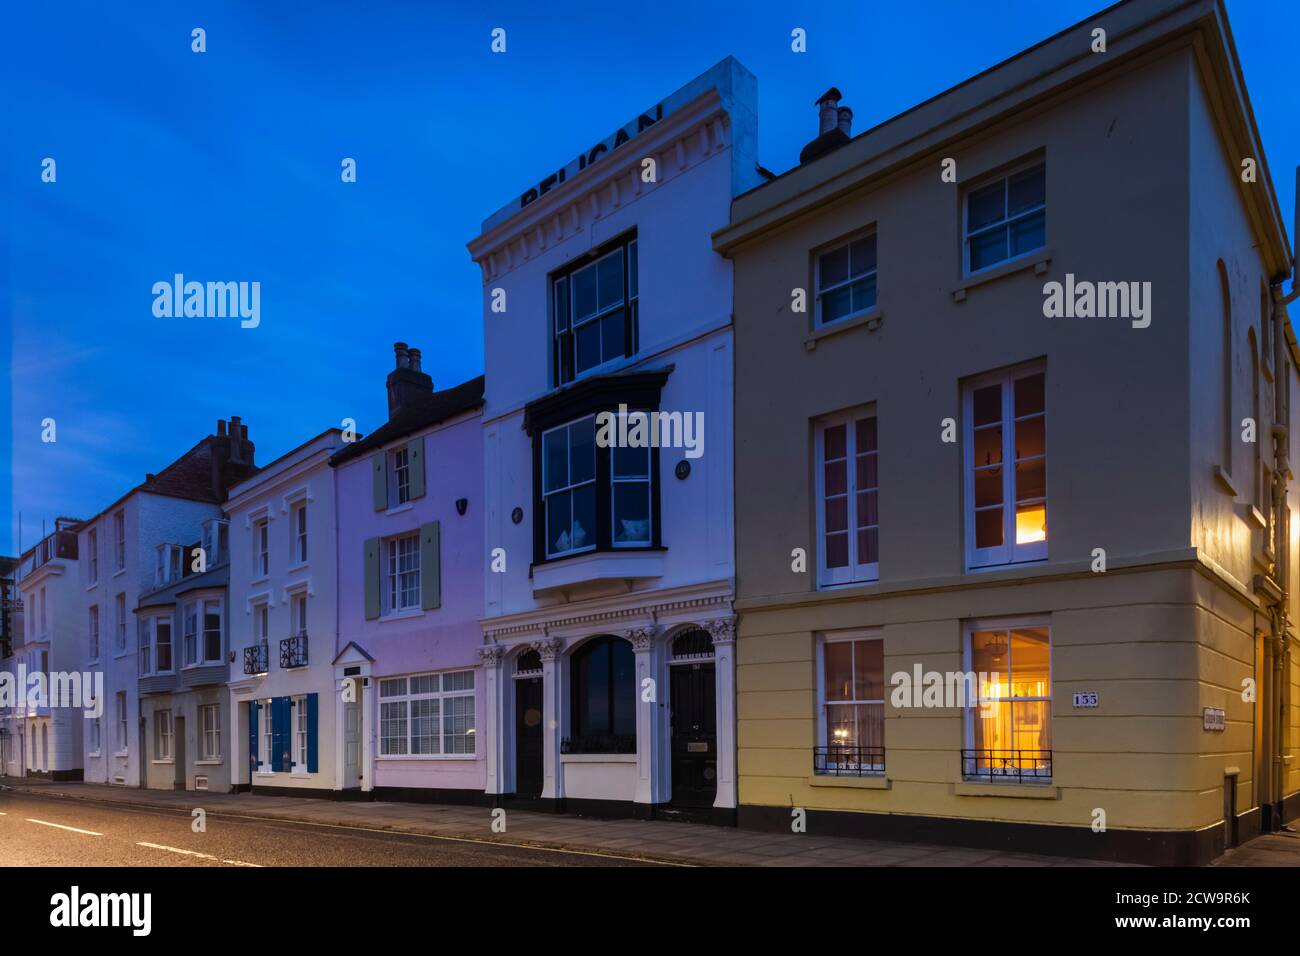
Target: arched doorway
[693,719]
[529,732]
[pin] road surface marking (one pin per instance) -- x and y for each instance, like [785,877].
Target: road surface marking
[47,823]
[242,863]
[203,856]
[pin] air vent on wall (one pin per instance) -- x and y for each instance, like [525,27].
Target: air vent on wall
[200,783]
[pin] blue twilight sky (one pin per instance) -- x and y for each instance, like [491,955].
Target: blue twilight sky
[225,166]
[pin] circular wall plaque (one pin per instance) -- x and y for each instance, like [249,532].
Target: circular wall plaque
[682,470]
[517,515]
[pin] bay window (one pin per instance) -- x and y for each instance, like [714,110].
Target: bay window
[569,489]
[211,632]
[1005,431]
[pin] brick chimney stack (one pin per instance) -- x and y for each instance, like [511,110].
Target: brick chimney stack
[407,384]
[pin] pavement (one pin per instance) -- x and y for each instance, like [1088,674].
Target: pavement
[329,832]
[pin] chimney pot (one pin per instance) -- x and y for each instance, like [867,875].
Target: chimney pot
[402,355]
[414,358]
[827,106]
[221,427]
[845,117]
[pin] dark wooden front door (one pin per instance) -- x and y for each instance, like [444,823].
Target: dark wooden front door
[695,735]
[528,737]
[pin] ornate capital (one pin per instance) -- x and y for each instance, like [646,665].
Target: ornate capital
[722,629]
[491,655]
[548,649]
[642,638]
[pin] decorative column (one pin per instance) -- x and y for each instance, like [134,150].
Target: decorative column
[723,631]
[493,734]
[552,702]
[649,732]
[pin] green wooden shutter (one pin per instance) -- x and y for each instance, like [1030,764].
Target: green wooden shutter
[431,566]
[372,579]
[312,710]
[379,480]
[415,465]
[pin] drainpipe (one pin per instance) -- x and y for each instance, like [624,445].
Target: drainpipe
[1279,693]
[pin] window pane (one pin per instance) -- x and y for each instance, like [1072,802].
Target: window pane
[834,442]
[862,256]
[988,487]
[987,405]
[864,294]
[633,270]
[837,513]
[424,684]
[988,528]
[985,206]
[1027,189]
[989,656]
[424,726]
[1031,479]
[612,346]
[1029,233]
[631,462]
[395,687]
[837,479]
[555,459]
[582,450]
[1030,662]
[867,472]
[868,670]
[1030,441]
[992,726]
[584,516]
[1031,723]
[988,446]
[866,434]
[837,550]
[1031,523]
[868,545]
[611,280]
[561,305]
[588,346]
[837,304]
[559,517]
[988,248]
[868,511]
[838,658]
[632,512]
[583,283]
[840,726]
[833,267]
[1029,394]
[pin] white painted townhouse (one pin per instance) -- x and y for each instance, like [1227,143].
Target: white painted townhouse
[284,622]
[121,550]
[608,627]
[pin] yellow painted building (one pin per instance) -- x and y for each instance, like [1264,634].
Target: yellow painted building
[993,358]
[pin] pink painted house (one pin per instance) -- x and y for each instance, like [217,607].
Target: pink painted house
[410,594]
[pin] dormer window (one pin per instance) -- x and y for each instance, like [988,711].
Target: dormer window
[167,567]
[594,310]
[216,540]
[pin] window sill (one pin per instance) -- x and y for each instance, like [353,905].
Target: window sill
[298,567]
[1255,517]
[1225,481]
[1024,791]
[119,572]
[400,615]
[124,754]
[95,753]
[876,782]
[597,758]
[92,585]
[260,579]
[596,566]
[870,318]
[119,655]
[461,757]
[209,762]
[399,509]
[1038,260]
[167,762]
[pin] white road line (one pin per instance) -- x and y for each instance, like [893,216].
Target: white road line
[202,856]
[47,823]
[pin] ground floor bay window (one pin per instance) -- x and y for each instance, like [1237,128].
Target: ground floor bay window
[1009,725]
[603,698]
[851,711]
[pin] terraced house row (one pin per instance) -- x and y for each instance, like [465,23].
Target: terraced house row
[942,563]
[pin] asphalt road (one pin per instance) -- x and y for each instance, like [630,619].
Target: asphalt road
[37,831]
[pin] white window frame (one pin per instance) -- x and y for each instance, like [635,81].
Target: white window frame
[1009,552]
[299,751]
[191,611]
[261,548]
[203,631]
[163,732]
[569,488]
[393,572]
[1005,222]
[265,737]
[298,613]
[169,565]
[157,621]
[848,637]
[213,553]
[209,736]
[647,480]
[298,534]
[122,721]
[93,631]
[92,548]
[855,572]
[630,301]
[400,466]
[969,627]
[119,541]
[822,291]
[96,737]
[119,637]
[406,698]
[144,645]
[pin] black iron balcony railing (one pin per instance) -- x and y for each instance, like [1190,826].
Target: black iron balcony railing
[599,744]
[1005,766]
[293,651]
[257,659]
[848,761]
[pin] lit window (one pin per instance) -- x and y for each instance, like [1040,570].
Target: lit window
[1006,468]
[1006,218]
[852,714]
[1009,725]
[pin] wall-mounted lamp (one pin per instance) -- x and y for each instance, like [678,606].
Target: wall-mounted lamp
[461,505]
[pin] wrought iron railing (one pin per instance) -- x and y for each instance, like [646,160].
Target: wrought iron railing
[848,761]
[1002,766]
[599,744]
[257,659]
[293,651]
